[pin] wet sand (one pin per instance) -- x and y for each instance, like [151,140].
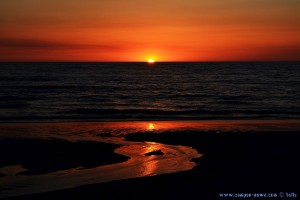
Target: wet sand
[259,160]
[41,156]
[46,164]
[174,159]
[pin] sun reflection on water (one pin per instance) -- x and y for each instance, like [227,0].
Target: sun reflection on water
[149,167]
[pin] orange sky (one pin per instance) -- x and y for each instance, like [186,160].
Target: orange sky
[136,30]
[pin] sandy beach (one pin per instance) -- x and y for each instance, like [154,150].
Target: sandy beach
[236,160]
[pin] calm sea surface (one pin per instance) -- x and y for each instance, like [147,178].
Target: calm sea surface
[141,91]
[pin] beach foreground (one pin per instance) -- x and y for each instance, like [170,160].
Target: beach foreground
[234,157]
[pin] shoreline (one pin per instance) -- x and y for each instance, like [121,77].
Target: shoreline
[148,120]
[156,126]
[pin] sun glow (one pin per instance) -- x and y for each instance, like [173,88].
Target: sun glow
[151,127]
[151,61]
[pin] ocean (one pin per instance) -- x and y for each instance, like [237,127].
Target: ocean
[134,91]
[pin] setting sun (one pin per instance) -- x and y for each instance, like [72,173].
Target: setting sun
[151,61]
[151,127]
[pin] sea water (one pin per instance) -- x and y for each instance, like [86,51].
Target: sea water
[141,91]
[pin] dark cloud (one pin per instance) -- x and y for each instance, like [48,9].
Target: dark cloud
[35,44]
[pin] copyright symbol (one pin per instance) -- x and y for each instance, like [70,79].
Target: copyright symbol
[281,194]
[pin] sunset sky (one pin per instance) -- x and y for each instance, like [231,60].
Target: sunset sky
[137,30]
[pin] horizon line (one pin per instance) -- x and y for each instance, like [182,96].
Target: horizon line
[226,61]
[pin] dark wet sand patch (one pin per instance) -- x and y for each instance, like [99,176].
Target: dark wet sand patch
[42,156]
